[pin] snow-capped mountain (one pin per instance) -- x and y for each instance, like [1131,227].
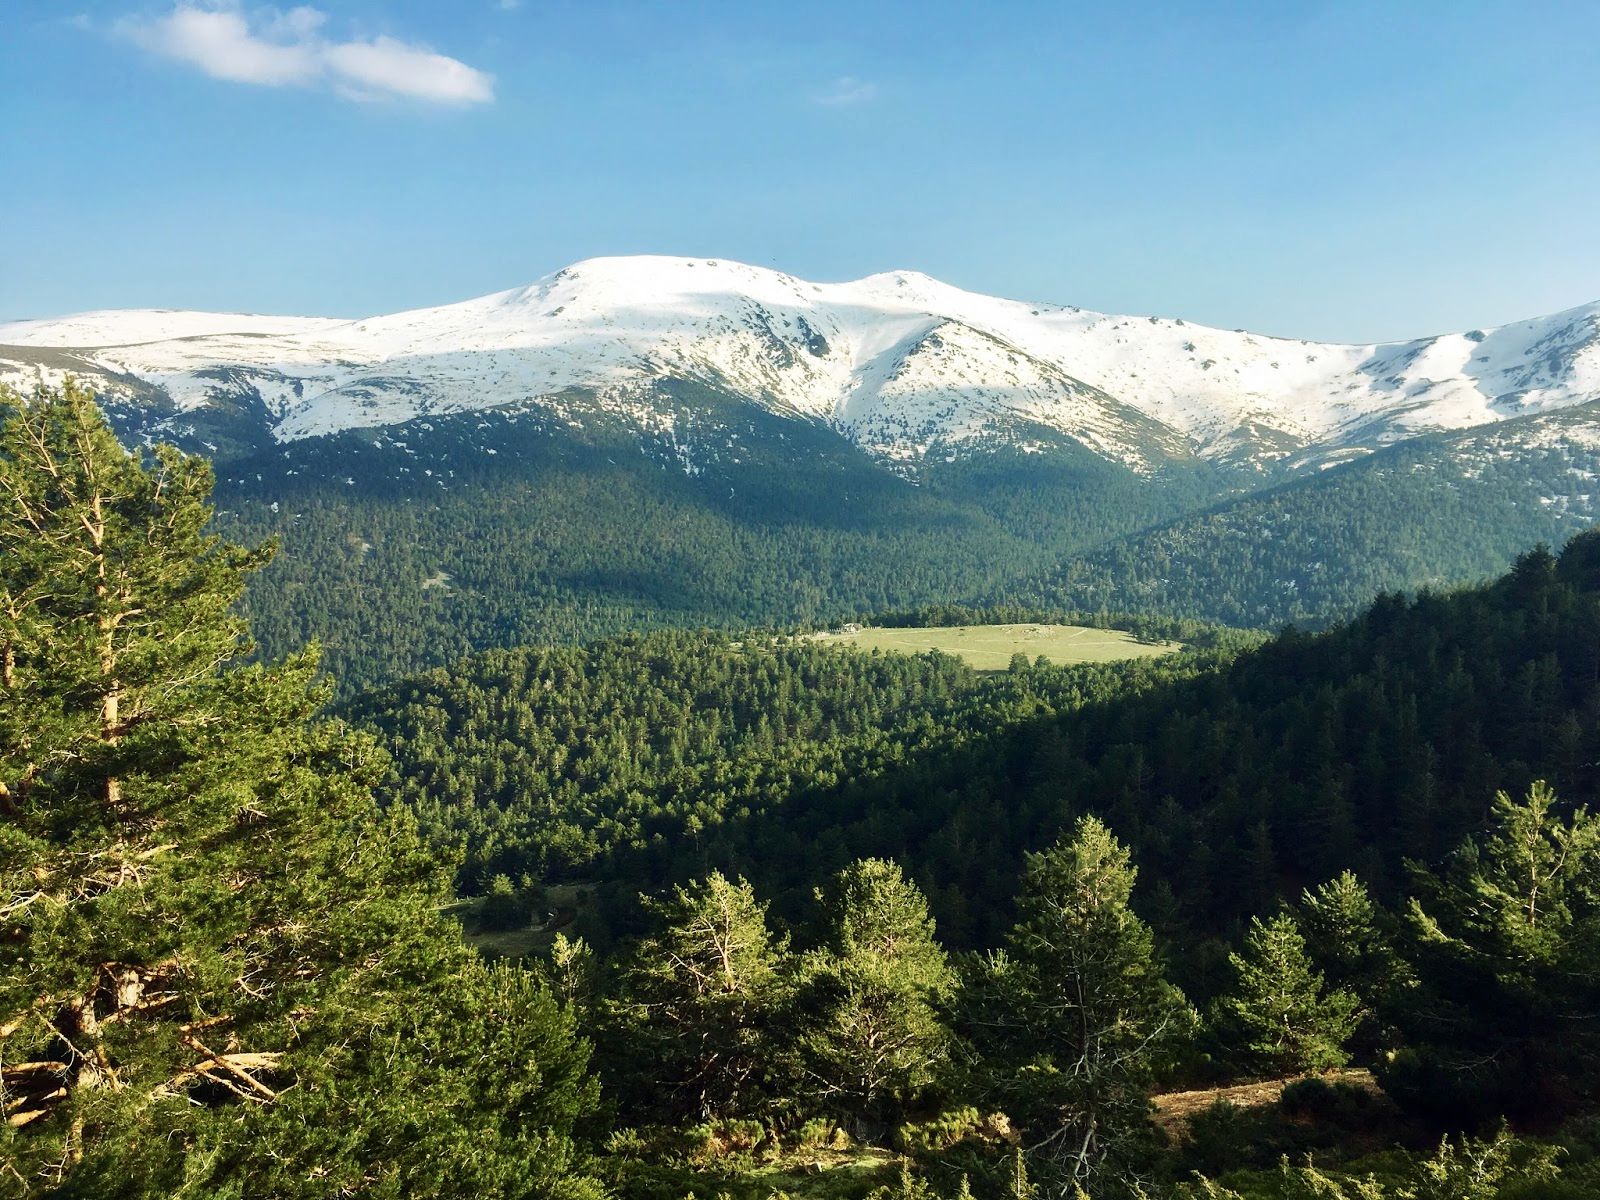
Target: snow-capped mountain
[903,365]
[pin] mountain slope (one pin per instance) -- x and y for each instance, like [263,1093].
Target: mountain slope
[1431,511]
[409,546]
[906,366]
[1238,781]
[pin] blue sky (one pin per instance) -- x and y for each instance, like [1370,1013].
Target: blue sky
[1331,170]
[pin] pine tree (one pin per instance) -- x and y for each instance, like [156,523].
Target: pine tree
[1289,1020]
[1506,946]
[1464,1169]
[696,1018]
[1339,922]
[220,966]
[503,907]
[1072,1020]
[571,972]
[1471,1168]
[871,1035]
[1348,939]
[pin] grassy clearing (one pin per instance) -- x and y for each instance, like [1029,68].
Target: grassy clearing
[564,902]
[990,647]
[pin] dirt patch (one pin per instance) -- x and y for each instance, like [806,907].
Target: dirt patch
[1174,1110]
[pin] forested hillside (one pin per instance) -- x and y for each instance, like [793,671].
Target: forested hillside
[633,763]
[1345,849]
[1431,512]
[411,546]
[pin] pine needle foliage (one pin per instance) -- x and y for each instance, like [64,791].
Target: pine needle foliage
[1074,1017]
[1291,1021]
[1506,939]
[699,1003]
[871,1035]
[223,972]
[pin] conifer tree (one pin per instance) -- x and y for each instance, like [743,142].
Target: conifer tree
[571,972]
[1289,1020]
[696,1018]
[1075,1016]
[1339,922]
[1466,1168]
[1349,939]
[222,971]
[1506,946]
[871,1035]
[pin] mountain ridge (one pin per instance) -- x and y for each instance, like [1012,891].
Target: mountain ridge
[907,367]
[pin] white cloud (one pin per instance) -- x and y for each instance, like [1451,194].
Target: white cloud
[302,22]
[220,43]
[275,48]
[389,66]
[845,91]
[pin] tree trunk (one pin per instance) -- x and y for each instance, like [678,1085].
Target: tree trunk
[111,700]
[8,681]
[79,1026]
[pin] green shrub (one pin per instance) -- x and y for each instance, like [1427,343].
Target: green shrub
[723,1139]
[942,1131]
[819,1133]
[1341,1104]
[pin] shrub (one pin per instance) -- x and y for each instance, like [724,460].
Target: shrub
[942,1131]
[1328,1103]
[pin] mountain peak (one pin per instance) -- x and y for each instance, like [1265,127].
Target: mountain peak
[884,354]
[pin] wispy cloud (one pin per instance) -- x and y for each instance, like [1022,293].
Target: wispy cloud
[844,91]
[275,48]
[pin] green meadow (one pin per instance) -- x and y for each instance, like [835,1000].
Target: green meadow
[990,647]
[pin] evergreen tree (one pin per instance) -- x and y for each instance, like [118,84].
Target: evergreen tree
[697,1014]
[1464,1169]
[1471,1168]
[504,907]
[571,972]
[1073,1019]
[1339,922]
[221,968]
[871,1036]
[1348,939]
[1506,943]
[1290,1021]
[468,1086]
